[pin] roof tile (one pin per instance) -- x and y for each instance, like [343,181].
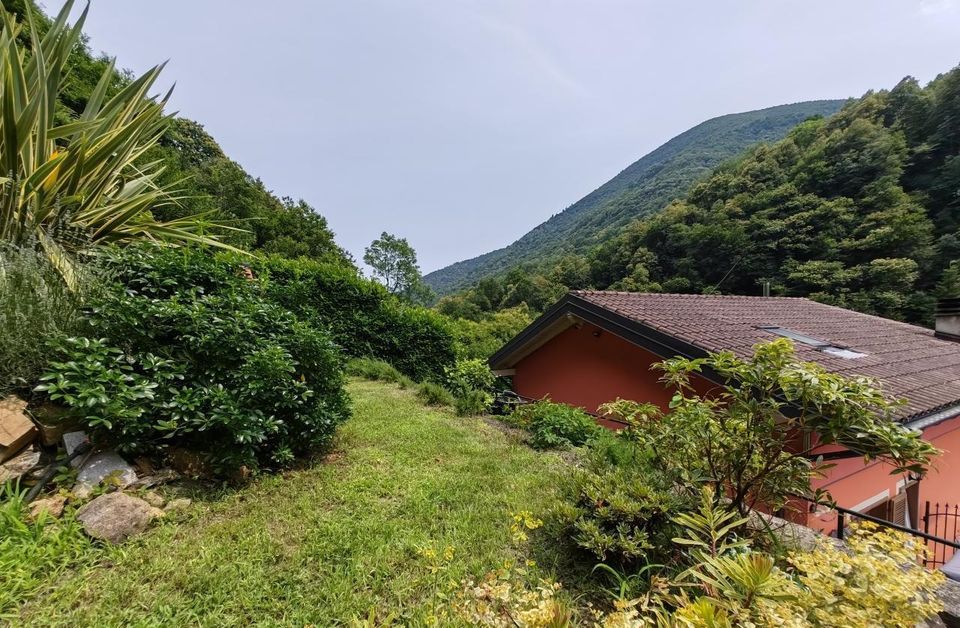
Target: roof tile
[908,361]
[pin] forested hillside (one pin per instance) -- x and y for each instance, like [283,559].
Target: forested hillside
[208,181]
[860,210]
[645,186]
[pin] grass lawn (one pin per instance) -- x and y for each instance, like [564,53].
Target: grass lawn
[328,543]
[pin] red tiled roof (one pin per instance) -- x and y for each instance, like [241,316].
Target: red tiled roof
[908,361]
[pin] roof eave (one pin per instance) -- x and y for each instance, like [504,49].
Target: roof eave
[935,418]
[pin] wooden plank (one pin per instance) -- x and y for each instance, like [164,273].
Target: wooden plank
[16,429]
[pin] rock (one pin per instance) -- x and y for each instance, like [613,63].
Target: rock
[104,466]
[53,506]
[178,505]
[160,477]
[73,440]
[154,499]
[53,421]
[16,429]
[115,517]
[20,465]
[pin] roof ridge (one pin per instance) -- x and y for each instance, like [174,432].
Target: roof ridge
[689,295]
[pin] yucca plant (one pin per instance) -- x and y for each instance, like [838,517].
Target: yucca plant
[67,186]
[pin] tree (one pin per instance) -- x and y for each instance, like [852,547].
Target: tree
[754,438]
[394,263]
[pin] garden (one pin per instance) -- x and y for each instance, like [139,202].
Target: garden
[219,428]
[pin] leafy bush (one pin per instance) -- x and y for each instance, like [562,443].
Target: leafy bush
[433,394]
[480,337]
[472,402]
[883,582]
[35,307]
[361,315]
[469,375]
[743,437]
[555,424]
[619,513]
[470,381]
[191,355]
[378,371]
[877,580]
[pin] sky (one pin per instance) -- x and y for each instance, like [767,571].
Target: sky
[462,124]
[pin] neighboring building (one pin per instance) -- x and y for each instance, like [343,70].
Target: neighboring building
[593,346]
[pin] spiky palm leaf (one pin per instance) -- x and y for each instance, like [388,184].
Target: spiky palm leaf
[68,185]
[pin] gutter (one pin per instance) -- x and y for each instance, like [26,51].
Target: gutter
[933,419]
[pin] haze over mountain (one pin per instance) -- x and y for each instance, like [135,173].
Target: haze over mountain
[643,187]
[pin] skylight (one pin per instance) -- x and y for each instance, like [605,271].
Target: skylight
[819,345]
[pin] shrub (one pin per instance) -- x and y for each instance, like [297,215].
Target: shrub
[883,582]
[742,435]
[469,375]
[472,402]
[378,371]
[619,513]
[555,424]
[361,315]
[876,580]
[211,367]
[434,394]
[35,307]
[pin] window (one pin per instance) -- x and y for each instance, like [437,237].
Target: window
[819,345]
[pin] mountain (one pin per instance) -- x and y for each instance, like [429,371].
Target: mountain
[644,187]
[861,210]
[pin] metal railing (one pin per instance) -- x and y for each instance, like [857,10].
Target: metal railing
[939,546]
[942,521]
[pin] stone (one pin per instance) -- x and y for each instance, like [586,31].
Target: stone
[53,421]
[53,506]
[115,517]
[16,429]
[160,477]
[154,499]
[73,440]
[104,466]
[17,467]
[178,505]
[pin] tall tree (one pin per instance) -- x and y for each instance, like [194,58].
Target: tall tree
[394,263]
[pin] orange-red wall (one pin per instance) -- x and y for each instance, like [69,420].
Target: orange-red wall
[852,483]
[587,367]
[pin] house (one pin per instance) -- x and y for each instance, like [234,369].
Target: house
[594,346]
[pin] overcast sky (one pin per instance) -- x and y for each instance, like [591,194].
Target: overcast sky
[460,125]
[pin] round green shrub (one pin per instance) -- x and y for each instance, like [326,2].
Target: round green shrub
[553,425]
[184,352]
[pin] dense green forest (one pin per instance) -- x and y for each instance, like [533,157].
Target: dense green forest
[644,187]
[208,182]
[860,210]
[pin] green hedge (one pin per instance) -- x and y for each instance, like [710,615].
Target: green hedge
[361,315]
[185,352]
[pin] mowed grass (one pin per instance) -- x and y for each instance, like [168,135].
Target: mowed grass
[329,543]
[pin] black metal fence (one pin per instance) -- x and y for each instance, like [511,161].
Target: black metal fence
[940,521]
[939,530]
